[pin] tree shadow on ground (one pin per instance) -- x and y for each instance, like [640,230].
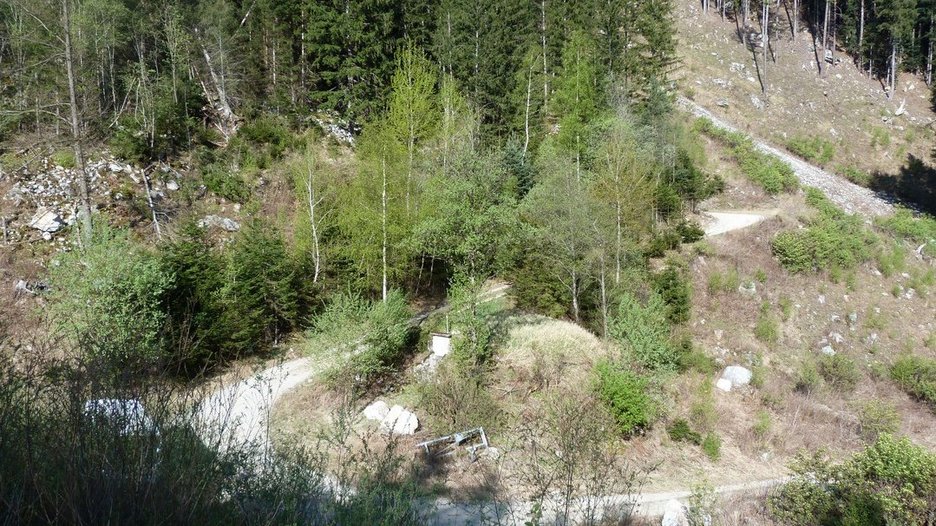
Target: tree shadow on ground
[914,184]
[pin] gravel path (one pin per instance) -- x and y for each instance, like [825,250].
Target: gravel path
[847,195]
[728,221]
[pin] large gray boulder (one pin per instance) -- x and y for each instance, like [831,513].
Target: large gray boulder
[674,514]
[399,421]
[220,222]
[46,220]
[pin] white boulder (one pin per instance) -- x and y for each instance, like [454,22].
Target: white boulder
[737,375]
[828,350]
[723,384]
[674,514]
[399,421]
[223,223]
[46,220]
[377,411]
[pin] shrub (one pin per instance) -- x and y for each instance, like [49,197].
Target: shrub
[891,261]
[693,359]
[472,347]
[916,376]
[666,239]
[766,329]
[679,431]
[455,399]
[840,372]
[625,395]
[702,412]
[855,175]
[772,174]
[676,291]
[63,158]
[807,378]
[920,229]
[226,183]
[814,149]
[786,307]
[762,424]
[375,333]
[644,332]
[724,282]
[711,446]
[108,296]
[690,231]
[876,418]
[832,239]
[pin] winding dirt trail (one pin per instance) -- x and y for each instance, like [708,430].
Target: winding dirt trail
[726,221]
[846,194]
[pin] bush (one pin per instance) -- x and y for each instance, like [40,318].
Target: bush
[762,424]
[108,296]
[807,378]
[920,229]
[832,239]
[666,239]
[855,175]
[890,482]
[625,395]
[676,291]
[840,372]
[724,282]
[814,149]
[63,158]
[711,446]
[772,174]
[876,418]
[375,333]
[916,376]
[679,431]
[766,329]
[225,183]
[644,332]
[455,400]
[690,231]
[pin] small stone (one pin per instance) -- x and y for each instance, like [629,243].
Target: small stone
[221,222]
[172,186]
[748,288]
[719,334]
[46,221]
[828,350]
[821,299]
[852,318]
[835,337]
[723,384]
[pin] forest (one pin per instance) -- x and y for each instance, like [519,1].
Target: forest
[386,160]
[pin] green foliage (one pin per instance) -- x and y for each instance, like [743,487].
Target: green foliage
[644,332]
[762,424]
[679,431]
[726,282]
[472,347]
[917,376]
[890,482]
[703,504]
[832,239]
[840,371]
[675,290]
[703,412]
[170,120]
[875,418]
[807,379]
[880,137]
[376,333]
[108,297]
[766,329]
[772,174]
[454,398]
[711,446]
[813,149]
[625,395]
[225,183]
[690,231]
[855,175]
[920,229]
[63,158]
[692,358]
[891,261]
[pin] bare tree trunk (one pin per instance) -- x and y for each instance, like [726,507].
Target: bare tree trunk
[765,40]
[575,293]
[746,14]
[313,221]
[545,62]
[861,33]
[825,32]
[85,200]
[602,281]
[795,19]
[383,223]
[892,77]
[526,115]
[152,207]
[228,124]
[929,54]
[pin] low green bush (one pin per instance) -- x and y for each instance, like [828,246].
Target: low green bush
[917,376]
[711,446]
[892,481]
[840,372]
[807,378]
[813,148]
[454,398]
[675,290]
[762,424]
[832,239]
[63,158]
[690,231]
[679,431]
[855,175]
[876,418]
[226,183]
[920,229]
[625,395]
[724,282]
[644,332]
[767,330]
[772,174]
